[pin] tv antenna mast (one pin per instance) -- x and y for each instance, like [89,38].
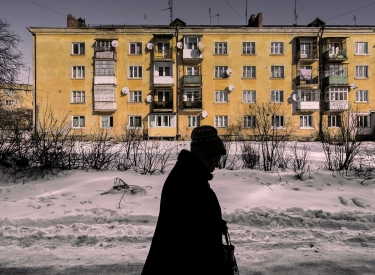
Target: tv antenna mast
[170,3]
[246,12]
[295,12]
[218,17]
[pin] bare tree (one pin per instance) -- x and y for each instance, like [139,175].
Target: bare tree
[11,60]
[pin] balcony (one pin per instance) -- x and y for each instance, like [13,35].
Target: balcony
[105,106]
[192,105]
[105,54]
[307,80]
[104,79]
[336,56]
[336,105]
[308,55]
[163,106]
[161,55]
[336,80]
[308,106]
[192,80]
[163,81]
[191,55]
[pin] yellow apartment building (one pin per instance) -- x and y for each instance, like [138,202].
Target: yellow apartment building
[169,79]
[16,104]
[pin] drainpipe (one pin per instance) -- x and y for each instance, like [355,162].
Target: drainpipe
[177,82]
[34,95]
[321,69]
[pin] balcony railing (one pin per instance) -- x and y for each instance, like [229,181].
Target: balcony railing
[192,80]
[106,54]
[336,80]
[336,105]
[337,56]
[105,106]
[163,81]
[163,54]
[308,55]
[308,106]
[163,105]
[192,54]
[307,80]
[196,104]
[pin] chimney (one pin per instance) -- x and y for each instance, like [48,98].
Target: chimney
[81,22]
[72,22]
[256,21]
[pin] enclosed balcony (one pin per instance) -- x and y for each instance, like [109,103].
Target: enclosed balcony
[163,74]
[192,105]
[105,106]
[104,49]
[334,49]
[104,98]
[307,49]
[192,49]
[192,80]
[336,74]
[163,55]
[336,106]
[307,100]
[336,98]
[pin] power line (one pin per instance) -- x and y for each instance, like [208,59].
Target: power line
[304,10]
[234,10]
[350,11]
[45,7]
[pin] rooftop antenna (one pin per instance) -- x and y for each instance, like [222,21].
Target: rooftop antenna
[145,18]
[355,20]
[170,3]
[246,12]
[209,10]
[295,12]
[218,18]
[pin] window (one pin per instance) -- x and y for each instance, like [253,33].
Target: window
[277,96]
[104,67]
[106,121]
[78,48]
[135,48]
[277,47]
[221,48]
[361,71]
[361,48]
[363,121]
[249,121]
[135,96]
[221,96]
[192,70]
[9,102]
[165,71]
[9,92]
[163,96]
[192,95]
[221,71]
[305,122]
[277,71]
[78,97]
[103,45]
[135,121]
[194,121]
[135,71]
[248,48]
[307,96]
[336,70]
[162,120]
[221,121]
[248,72]
[78,121]
[78,72]
[277,121]
[249,96]
[361,96]
[334,121]
[104,93]
[191,43]
[337,94]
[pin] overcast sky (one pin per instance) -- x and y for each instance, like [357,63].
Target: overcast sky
[22,14]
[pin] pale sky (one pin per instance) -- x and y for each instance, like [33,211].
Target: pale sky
[22,14]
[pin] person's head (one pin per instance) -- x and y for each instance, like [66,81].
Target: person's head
[207,145]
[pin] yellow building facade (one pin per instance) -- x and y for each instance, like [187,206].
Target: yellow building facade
[167,80]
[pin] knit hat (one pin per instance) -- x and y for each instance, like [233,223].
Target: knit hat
[206,143]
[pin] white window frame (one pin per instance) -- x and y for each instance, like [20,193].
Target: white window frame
[162,121]
[306,121]
[191,42]
[249,72]
[10,102]
[106,120]
[192,70]
[221,97]
[78,97]
[81,121]
[221,48]
[249,121]
[363,121]
[361,48]
[221,121]
[193,95]
[248,47]
[80,48]
[277,96]
[334,121]
[361,71]
[78,72]
[277,122]
[137,48]
[133,120]
[103,45]
[361,95]
[249,96]
[277,47]
[135,96]
[135,72]
[337,94]
[105,67]
[277,71]
[163,71]
[309,96]
[194,121]
[221,71]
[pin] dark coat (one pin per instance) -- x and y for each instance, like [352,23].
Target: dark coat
[188,234]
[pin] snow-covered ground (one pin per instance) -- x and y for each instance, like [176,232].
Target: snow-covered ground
[75,223]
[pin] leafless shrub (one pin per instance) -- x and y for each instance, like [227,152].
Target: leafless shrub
[250,155]
[153,156]
[300,160]
[130,143]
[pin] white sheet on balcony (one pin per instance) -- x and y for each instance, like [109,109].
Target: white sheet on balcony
[306,74]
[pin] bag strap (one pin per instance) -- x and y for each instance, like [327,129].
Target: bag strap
[227,238]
